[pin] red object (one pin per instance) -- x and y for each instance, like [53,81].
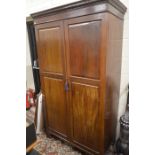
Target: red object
[30,98]
[27,101]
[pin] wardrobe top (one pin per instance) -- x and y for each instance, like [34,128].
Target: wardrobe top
[80,4]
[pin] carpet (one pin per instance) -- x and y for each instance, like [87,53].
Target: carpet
[50,146]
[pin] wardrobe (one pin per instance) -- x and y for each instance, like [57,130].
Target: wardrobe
[79,48]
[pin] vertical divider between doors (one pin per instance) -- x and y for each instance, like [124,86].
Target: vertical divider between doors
[67,78]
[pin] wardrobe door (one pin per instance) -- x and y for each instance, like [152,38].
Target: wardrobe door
[83,47]
[50,41]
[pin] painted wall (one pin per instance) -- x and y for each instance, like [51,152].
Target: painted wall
[38,5]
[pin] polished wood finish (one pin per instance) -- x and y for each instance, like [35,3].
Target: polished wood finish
[83,38]
[51,47]
[80,8]
[85,102]
[28,149]
[56,105]
[115,3]
[113,74]
[83,41]
[51,53]
[79,49]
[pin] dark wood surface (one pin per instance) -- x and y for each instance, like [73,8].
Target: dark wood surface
[85,102]
[83,41]
[56,105]
[83,50]
[30,148]
[81,8]
[50,45]
[80,68]
[113,75]
[83,3]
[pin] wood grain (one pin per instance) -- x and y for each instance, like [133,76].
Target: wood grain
[85,114]
[51,47]
[113,75]
[56,105]
[84,43]
[28,149]
[80,48]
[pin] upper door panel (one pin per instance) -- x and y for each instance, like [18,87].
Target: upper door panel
[51,51]
[83,37]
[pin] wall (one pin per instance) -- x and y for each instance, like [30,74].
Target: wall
[38,5]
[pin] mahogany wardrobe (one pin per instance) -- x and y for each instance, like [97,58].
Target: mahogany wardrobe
[79,48]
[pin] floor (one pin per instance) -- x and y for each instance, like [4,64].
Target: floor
[50,146]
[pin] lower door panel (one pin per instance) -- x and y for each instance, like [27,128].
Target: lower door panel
[85,104]
[56,105]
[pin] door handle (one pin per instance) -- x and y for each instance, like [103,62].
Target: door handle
[66,86]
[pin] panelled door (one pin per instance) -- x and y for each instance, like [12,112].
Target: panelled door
[51,53]
[70,55]
[83,49]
